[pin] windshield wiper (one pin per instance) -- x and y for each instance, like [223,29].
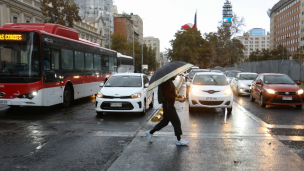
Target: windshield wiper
[20,76]
[214,80]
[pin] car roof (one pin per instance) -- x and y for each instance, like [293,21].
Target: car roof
[200,70]
[208,73]
[272,74]
[132,74]
[248,73]
[233,71]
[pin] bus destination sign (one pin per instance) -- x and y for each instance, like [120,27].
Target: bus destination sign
[14,37]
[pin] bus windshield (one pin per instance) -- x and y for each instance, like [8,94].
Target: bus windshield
[20,57]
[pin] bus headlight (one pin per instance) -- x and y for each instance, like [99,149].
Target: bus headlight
[99,95]
[228,91]
[300,91]
[194,90]
[30,95]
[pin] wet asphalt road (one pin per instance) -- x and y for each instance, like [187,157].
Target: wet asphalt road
[50,138]
[281,116]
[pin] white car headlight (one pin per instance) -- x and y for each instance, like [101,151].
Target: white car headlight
[136,95]
[300,91]
[194,90]
[270,91]
[242,85]
[99,95]
[228,91]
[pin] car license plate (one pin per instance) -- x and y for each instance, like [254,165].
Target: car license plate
[3,102]
[116,104]
[211,98]
[287,98]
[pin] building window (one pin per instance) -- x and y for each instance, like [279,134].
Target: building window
[27,21]
[15,19]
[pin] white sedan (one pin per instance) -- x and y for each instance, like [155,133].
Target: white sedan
[210,90]
[242,82]
[125,93]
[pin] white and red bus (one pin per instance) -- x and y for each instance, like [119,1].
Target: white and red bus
[47,64]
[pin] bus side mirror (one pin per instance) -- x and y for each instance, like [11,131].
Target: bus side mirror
[299,83]
[259,82]
[146,85]
[101,84]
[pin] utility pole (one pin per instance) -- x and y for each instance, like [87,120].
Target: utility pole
[142,56]
[133,45]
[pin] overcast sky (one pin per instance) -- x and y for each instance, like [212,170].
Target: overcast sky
[162,18]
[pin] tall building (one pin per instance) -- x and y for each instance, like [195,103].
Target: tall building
[153,43]
[124,26]
[165,57]
[227,13]
[95,8]
[253,42]
[286,27]
[257,32]
[138,25]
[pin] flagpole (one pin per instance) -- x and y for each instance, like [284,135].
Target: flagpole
[196,19]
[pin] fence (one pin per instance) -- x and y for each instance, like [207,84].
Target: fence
[293,68]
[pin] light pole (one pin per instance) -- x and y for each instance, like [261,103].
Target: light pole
[133,45]
[142,56]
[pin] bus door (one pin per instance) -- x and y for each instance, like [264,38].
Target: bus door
[51,76]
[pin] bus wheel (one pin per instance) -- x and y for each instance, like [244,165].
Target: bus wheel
[67,96]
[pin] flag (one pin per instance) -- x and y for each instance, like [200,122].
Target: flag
[194,21]
[189,25]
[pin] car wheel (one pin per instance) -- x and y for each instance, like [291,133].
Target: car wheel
[229,110]
[262,101]
[144,108]
[252,99]
[152,102]
[67,96]
[298,106]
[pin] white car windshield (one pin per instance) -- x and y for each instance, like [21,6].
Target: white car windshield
[247,76]
[210,80]
[124,81]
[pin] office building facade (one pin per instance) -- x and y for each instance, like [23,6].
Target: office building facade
[287,25]
[95,8]
[154,43]
[253,43]
[257,32]
[124,26]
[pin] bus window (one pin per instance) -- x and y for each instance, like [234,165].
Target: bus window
[67,60]
[105,64]
[111,64]
[79,60]
[97,62]
[55,59]
[89,61]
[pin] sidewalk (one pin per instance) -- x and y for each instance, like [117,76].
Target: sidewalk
[239,144]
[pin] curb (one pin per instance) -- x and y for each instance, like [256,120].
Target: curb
[159,114]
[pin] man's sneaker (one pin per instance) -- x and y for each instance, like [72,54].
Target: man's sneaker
[182,142]
[149,136]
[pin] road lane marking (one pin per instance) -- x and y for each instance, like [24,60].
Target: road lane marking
[264,124]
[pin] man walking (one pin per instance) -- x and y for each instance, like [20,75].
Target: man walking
[167,96]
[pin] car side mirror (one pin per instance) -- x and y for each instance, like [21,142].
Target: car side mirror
[188,83]
[259,82]
[299,83]
[101,84]
[146,85]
